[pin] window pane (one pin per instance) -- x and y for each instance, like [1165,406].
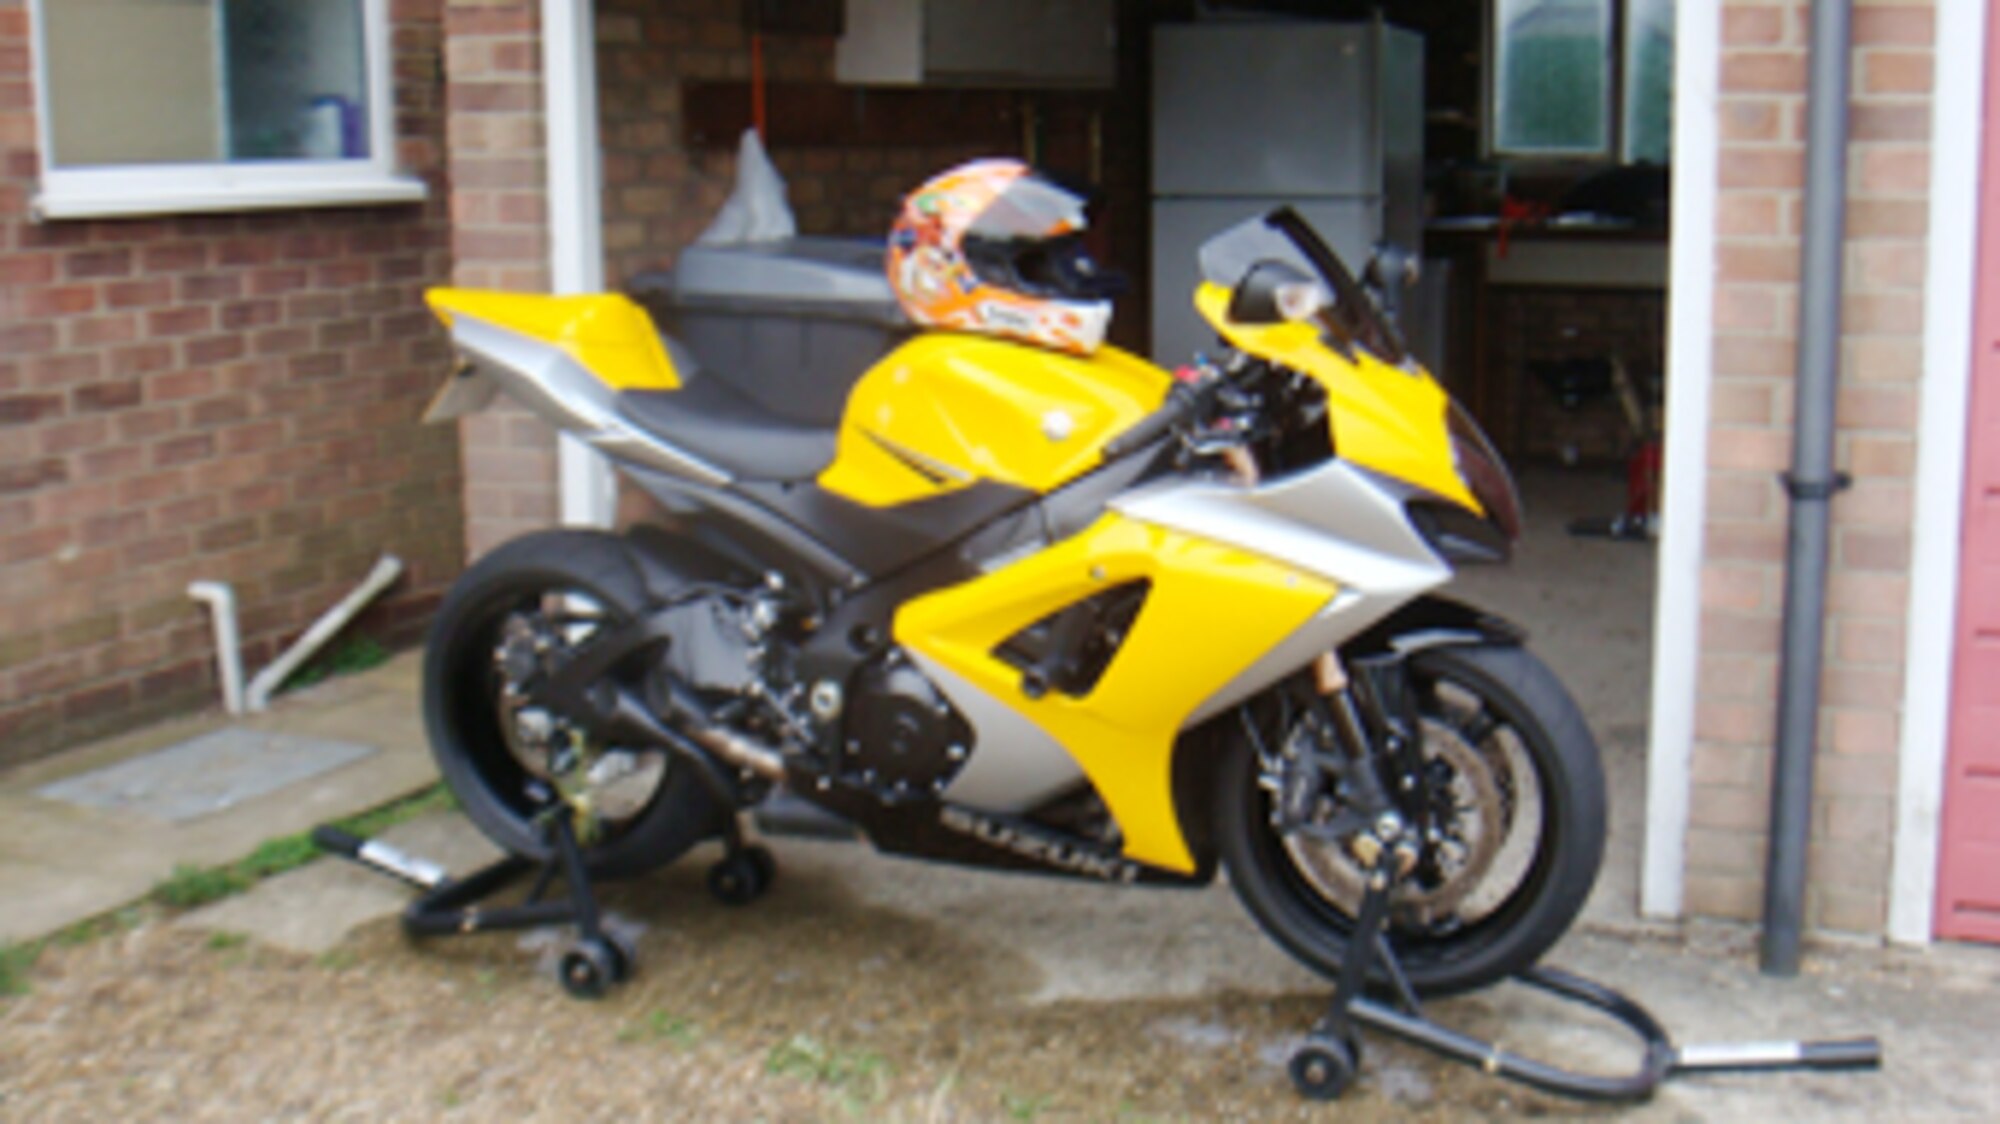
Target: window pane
[199,81]
[1553,58]
[297,80]
[1649,79]
[131,81]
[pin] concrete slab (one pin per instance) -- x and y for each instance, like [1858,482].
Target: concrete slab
[312,909]
[60,863]
[205,774]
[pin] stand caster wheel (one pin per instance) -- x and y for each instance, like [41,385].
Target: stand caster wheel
[743,877]
[1323,1067]
[625,956]
[590,967]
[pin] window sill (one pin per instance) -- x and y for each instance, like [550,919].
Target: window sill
[73,202]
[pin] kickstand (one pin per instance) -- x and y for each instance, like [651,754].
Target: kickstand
[1326,1063]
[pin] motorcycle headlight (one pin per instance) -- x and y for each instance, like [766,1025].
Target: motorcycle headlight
[1484,473]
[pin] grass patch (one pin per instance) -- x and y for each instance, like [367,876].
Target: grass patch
[191,886]
[103,925]
[858,1073]
[660,1026]
[222,940]
[1023,1106]
[357,653]
[16,961]
[336,959]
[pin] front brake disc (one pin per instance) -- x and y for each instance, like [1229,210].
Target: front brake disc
[1466,840]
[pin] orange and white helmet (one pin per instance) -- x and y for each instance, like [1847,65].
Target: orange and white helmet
[992,246]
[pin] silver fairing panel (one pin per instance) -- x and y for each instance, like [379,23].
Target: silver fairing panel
[1335,521]
[563,393]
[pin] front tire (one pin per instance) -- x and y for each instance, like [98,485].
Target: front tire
[1510,707]
[661,809]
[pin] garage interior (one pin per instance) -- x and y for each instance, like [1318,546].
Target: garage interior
[1518,145]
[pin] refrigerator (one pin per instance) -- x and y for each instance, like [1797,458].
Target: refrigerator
[1254,114]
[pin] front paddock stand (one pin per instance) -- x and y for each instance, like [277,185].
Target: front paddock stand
[1327,1062]
[598,959]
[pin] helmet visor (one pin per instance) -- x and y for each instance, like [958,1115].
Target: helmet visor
[1030,207]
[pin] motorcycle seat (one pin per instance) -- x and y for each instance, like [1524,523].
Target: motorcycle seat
[717,423]
[791,325]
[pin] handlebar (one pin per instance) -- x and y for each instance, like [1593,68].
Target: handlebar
[1182,402]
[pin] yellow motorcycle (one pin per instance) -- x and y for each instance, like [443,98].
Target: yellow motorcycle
[939,568]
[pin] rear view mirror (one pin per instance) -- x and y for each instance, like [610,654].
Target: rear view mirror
[1274,292]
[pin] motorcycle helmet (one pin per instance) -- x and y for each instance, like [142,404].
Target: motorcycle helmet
[993,246]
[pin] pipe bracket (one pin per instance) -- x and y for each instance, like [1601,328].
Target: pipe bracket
[1799,489]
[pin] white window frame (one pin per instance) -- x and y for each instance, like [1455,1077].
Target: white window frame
[113,190]
[1490,97]
[1617,146]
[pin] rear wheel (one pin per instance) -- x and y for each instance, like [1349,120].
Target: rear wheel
[521,610]
[1518,789]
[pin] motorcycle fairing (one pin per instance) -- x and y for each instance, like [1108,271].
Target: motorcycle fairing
[1385,418]
[607,333]
[1122,733]
[945,410]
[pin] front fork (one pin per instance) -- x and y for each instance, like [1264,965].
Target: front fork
[1369,734]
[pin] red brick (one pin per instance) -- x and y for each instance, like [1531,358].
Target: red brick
[1886,218]
[1893,25]
[1894,170]
[85,265]
[1895,72]
[108,395]
[68,300]
[1752,26]
[178,257]
[149,293]
[1764,71]
[180,321]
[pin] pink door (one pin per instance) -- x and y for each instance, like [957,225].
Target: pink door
[1969,859]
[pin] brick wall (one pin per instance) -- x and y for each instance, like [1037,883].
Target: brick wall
[228,396]
[499,240]
[1758,224]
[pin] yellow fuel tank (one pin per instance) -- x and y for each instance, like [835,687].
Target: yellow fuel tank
[946,410]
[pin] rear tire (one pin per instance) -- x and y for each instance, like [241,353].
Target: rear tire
[1521,694]
[461,700]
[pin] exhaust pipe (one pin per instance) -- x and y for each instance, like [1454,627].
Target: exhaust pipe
[703,740]
[741,751]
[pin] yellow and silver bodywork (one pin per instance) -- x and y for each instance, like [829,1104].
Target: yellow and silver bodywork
[1247,582]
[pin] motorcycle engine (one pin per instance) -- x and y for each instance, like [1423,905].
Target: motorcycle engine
[901,737]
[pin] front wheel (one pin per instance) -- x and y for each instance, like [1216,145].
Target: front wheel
[1518,832]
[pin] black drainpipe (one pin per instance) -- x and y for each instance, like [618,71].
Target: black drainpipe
[1811,485]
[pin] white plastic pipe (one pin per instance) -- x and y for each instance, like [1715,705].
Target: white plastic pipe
[331,622]
[221,602]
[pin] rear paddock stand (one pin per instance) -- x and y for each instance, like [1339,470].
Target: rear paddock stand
[1327,1062]
[597,959]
